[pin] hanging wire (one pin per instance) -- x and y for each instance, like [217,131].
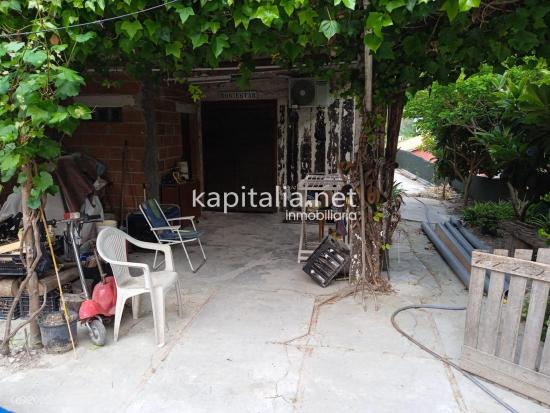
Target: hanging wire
[100,21]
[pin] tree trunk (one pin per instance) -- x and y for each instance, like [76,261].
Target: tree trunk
[151,161]
[29,229]
[31,255]
[520,206]
[395,113]
[368,179]
[372,178]
[467,185]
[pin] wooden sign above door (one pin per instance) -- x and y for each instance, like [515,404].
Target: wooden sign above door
[238,95]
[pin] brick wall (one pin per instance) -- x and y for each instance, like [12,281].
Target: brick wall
[169,125]
[106,140]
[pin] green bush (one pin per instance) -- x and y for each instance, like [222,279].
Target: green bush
[487,215]
[539,216]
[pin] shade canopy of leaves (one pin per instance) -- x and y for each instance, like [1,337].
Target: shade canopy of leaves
[35,88]
[414,42]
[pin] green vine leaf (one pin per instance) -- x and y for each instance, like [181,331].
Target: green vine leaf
[376,21]
[35,58]
[59,116]
[42,181]
[396,4]
[34,199]
[267,14]
[198,40]
[4,84]
[84,37]
[8,133]
[465,5]
[38,114]
[329,28]
[79,111]
[219,44]
[13,47]
[288,6]
[67,83]
[10,4]
[174,49]
[10,161]
[306,17]
[196,92]
[412,3]
[58,48]
[184,12]
[240,17]
[152,27]
[131,28]
[451,7]
[350,4]
[373,42]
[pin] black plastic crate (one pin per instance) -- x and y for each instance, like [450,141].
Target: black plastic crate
[5,305]
[329,259]
[52,303]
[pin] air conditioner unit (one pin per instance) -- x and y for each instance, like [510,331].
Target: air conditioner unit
[306,92]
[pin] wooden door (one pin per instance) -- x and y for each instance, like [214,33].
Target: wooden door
[239,148]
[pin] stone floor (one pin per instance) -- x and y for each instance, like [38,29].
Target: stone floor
[252,340]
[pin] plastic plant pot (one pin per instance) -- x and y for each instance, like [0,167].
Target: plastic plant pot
[54,331]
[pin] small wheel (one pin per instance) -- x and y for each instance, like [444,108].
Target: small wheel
[98,333]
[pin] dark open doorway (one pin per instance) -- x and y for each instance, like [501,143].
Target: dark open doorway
[239,148]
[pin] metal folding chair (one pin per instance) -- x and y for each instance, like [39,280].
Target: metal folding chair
[168,233]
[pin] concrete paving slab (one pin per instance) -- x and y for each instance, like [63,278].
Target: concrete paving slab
[249,340]
[413,185]
[419,209]
[388,383]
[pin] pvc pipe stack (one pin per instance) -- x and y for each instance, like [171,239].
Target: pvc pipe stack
[456,245]
[447,255]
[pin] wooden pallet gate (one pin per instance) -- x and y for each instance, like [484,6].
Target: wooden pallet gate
[498,345]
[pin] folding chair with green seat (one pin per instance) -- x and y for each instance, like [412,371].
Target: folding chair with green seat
[168,233]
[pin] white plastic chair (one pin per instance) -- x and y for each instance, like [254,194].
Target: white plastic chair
[111,245]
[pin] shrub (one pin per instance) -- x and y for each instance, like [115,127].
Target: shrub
[539,216]
[487,215]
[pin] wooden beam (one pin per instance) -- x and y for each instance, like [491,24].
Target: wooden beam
[13,246]
[512,266]
[508,374]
